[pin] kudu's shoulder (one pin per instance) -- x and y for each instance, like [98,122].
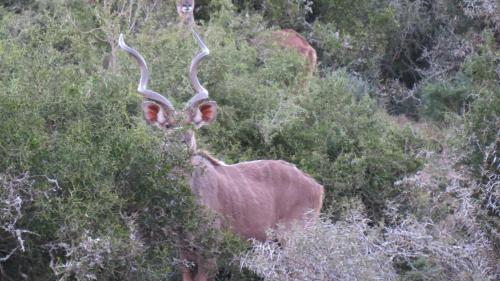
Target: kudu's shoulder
[274,168]
[205,157]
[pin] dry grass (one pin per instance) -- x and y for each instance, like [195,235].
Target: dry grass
[433,233]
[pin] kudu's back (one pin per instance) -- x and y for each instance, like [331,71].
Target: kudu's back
[255,196]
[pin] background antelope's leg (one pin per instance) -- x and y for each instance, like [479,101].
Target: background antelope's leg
[201,276]
[188,272]
[187,275]
[206,270]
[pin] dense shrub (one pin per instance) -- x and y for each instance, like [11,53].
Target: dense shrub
[344,250]
[437,230]
[16,197]
[446,97]
[287,14]
[88,191]
[335,133]
[483,118]
[71,123]
[350,249]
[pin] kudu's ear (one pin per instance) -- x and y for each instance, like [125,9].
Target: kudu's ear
[203,114]
[156,115]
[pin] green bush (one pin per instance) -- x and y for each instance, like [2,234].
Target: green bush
[442,97]
[352,36]
[286,14]
[482,120]
[102,197]
[472,94]
[350,249]
[72,124]
[336,133]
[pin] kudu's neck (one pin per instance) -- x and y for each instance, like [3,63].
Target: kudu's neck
[190,140]
[196,155]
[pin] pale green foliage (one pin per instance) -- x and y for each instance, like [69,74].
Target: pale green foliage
[105,197]
[344,250]
[481,8]
[66,118]
[16,195]
[350,249]
[442,194]
[436,231]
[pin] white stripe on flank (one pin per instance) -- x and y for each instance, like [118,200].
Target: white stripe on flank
[249,162]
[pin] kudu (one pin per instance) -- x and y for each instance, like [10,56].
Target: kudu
[291,39]
[249,197]
[185,9]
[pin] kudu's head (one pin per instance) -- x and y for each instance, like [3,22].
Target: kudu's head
[185,9]
[160,112]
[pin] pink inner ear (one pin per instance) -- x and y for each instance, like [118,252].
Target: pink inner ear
[151,112]
[207,112]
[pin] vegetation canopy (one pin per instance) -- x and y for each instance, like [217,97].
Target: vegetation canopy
[399,122]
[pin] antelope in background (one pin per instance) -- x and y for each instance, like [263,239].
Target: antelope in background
[185,9]
[250,197]
[286,38]
[291,39]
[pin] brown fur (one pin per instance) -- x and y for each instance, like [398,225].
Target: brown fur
[255,196]
[252,197]
[291,39]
